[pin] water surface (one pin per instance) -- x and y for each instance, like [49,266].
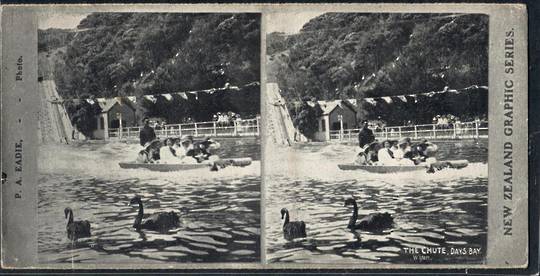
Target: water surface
[219,211]
[447,209]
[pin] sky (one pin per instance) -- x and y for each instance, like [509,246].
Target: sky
[60,20]
[290,22]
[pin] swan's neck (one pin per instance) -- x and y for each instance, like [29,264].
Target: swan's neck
[286,221]
[138,220]
[354,216]
[70,217]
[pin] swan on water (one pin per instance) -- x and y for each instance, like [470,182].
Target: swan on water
[76,229]
[161,221]
[292,229]
[372,222]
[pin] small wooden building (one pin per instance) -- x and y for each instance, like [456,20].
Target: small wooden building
[112,111]
[335,115]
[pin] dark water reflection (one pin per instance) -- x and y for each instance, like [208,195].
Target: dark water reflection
[219,212]
[447,209]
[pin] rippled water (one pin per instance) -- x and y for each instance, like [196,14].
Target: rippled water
[446,209]
[219,211]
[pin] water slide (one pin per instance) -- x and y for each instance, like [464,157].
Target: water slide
[279,123]
[54,124]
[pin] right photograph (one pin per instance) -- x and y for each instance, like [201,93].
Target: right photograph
[376,144]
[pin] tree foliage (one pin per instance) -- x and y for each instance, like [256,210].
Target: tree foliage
[83,116]
[354,55]
[306,119]
[135,54]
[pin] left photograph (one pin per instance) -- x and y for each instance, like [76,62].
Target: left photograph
[149,130]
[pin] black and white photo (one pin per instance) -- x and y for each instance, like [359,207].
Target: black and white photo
[379,149]
[149,138]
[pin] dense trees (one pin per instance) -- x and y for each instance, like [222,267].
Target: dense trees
[352,55]
[120,54]
[83,115]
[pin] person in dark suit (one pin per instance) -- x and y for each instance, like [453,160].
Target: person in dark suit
[147,134]
[365,136]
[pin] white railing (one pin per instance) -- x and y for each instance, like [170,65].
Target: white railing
[466,130]
[249,127]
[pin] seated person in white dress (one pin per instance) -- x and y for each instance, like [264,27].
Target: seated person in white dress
[168,153]
[385,155]
[184,148]
[403,148]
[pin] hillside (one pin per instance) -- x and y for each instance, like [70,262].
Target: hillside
[350,55]
[114,54]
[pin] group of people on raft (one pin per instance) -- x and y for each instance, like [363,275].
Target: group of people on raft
[393,153]
[175,150]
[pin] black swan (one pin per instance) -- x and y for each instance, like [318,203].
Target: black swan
[162,221]
[372,222]
[76,229]
[292,229]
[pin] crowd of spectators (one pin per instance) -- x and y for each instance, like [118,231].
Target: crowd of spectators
[226,118]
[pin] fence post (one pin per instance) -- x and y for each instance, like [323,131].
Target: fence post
[454,127]
[257,122]
[215,130]
[128,132]
[415,132]
[196,132]
[434,132]
[476,129]
[399,131]
[179,129]
[235,129]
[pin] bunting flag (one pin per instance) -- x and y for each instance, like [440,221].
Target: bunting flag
[388,100]
[371,101]
[167,96]
[150,98]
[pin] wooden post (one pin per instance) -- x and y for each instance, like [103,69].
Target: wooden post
[179,129]
[257,125]
[476,129]
[434,132]
[415,132]
[235,130]
[454,127]
[128,132]
[215,130]
[399,132]
[196,132]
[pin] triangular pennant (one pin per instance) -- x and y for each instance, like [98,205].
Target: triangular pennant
[151,98]
[388,100]
[167,96]
[370,101]
[90,101]
[132,98]
[402,98]
[183,95]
